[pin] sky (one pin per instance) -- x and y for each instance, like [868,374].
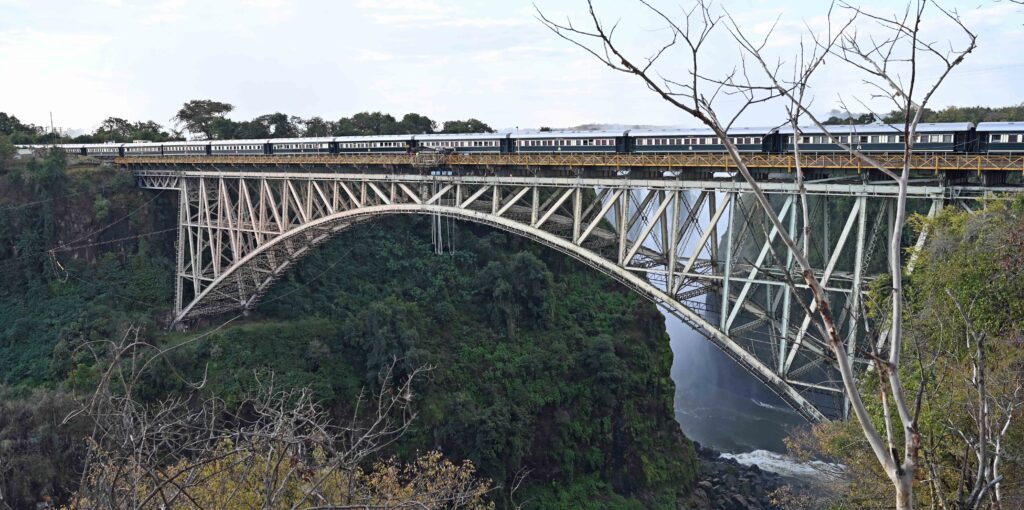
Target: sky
[85,60]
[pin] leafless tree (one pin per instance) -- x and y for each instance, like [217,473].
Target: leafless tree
[889,52]
[275,449]
[992,413]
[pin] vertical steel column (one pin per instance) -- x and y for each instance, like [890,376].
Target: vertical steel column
[727,271]
[672,243]
[577,212]
[853,300]
[890,223]
[712,208]
[826,250]
[179,278]
[623,210]
[787,297]
[535,205]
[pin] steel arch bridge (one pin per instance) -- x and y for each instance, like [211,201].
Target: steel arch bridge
[699,248]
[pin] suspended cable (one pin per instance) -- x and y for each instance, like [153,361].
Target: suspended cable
[37,202]
[89,245]
[130,213]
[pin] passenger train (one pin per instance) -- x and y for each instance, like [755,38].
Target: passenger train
[956,138]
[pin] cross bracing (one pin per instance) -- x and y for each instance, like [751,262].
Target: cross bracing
[699,248]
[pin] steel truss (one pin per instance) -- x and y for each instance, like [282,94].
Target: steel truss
[700,249]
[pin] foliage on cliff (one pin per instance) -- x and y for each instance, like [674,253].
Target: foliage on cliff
[968,286]
[541,366]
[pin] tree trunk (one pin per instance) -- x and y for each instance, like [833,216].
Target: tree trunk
[905,491]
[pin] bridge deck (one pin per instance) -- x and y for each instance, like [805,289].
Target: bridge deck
[782,162]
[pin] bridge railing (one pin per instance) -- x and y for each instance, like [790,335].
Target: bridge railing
[712,161]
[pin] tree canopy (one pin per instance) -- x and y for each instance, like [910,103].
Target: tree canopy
[198,115]
[466,126]
[948,114]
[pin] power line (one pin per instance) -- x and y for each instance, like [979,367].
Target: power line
[89,245]
[37,202]
[111,224]
[29,255]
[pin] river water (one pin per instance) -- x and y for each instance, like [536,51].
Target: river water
[720,404]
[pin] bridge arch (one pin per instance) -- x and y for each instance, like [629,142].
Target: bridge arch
[307,235]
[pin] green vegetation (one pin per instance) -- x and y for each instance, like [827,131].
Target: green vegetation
[540,366]
[968,288]
[207,118]
[948,114]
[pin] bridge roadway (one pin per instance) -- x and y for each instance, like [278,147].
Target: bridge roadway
[699,247]
[713,161]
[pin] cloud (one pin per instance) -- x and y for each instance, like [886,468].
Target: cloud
[427,14]
[443,58]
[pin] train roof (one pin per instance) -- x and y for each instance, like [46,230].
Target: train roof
[143,144]
[374,138]
[243,141]
[463,136]
[701,131]
[322,139]
[878,127]
[1001,126]
[189,142]
[570,134]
